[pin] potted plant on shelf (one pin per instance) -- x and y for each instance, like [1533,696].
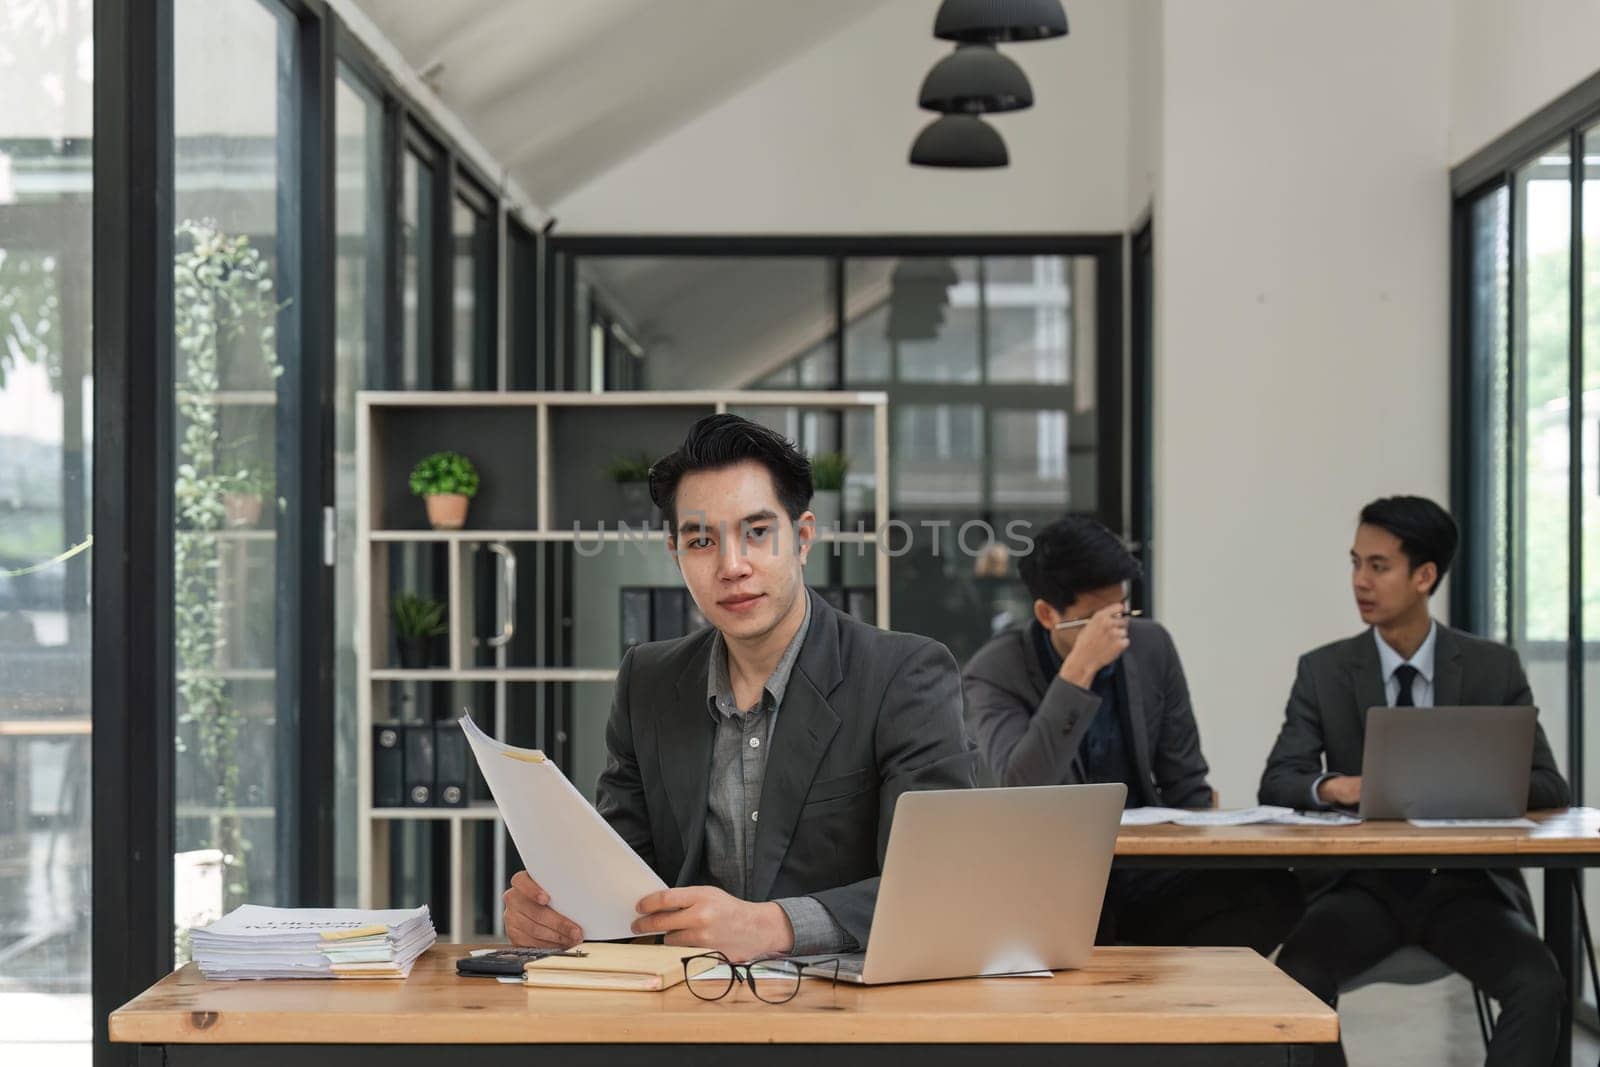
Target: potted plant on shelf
[445,481]
[827,478]
[632,475]
[243,493]
[418,623]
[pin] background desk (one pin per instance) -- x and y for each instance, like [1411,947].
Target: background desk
[1130,1005]
[1562,844]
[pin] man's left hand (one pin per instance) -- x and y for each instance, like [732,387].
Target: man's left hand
[702,916]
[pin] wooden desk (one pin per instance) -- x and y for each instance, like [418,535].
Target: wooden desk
[1562,844]
[1130,1005]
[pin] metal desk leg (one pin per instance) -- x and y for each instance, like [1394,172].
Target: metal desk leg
[1559,885]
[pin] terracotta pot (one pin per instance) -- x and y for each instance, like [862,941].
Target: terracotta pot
[241,509]
[447,511]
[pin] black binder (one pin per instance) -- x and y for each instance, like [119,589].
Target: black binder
[450,765]
[635,617]
[667,613]
[419,764]
[388,766]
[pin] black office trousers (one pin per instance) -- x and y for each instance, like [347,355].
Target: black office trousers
[1460,917]
[1200,907]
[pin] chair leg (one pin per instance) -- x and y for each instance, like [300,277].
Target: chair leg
[1485,1010]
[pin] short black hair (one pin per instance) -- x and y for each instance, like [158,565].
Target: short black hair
[1426,531]
[1072,556]
[718,441]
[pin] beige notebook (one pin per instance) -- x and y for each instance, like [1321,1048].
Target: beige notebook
[609,966]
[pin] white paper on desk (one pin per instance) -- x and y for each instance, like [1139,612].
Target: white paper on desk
[1265,814]
[1474,824]
[593,877]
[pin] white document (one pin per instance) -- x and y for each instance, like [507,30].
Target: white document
[1474,824]
[1265,814]
[593,877]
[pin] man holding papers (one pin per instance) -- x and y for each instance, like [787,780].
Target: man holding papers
[1083,693]
[1478,922]
[755,765]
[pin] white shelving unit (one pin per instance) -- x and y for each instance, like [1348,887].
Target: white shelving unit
[379,484]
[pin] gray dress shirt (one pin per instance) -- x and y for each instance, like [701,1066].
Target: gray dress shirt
[738,767]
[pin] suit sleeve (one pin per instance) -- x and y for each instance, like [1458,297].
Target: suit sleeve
[619,797]
[1179,767]
[1021,744]
[1546,787]
[920,744]
[1295,762]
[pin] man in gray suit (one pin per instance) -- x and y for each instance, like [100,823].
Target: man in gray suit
[1478,922]
[755,765]
[1083,693]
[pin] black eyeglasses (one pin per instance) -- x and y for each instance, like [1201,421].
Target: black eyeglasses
[775,981]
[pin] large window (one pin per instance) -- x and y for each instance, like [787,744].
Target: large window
[1000,359]
[1527,302]
[231,452]
[45,445]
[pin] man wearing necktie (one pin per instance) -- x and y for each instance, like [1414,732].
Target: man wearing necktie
[1480,923]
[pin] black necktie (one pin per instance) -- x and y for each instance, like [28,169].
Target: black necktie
[1404,674]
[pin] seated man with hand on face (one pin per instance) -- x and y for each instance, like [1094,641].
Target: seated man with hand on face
[1479,923]
[755,765]
[1082,693]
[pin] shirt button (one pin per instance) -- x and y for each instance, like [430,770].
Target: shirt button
[755,816]
[755,742]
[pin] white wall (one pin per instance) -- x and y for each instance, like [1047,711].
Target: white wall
[819,144]
[1302,268]
[1512,57]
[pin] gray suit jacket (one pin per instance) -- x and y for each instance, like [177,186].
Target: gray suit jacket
[868,714]
[1327,716]
[1029,727]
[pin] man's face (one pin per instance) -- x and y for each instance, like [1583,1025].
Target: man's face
[1385,585]
[740,555]
[1083,607]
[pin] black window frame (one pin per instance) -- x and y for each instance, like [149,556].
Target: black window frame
[1485,172]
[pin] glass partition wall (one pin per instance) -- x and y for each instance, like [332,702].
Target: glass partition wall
[1001,361]
[46,406]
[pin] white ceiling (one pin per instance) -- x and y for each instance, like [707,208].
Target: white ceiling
[559,91]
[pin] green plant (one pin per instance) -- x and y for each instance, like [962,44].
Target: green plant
[626,469]
[828,470]
[418,616]
[222,303]
[252,479]
[444,472]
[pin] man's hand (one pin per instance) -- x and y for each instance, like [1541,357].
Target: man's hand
[1099,645]
[530,920]
[1343,791]
[702,916]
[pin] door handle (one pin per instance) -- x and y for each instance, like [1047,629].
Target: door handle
[508,581]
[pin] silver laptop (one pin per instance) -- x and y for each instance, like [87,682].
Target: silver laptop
[990,881]
[1447,763]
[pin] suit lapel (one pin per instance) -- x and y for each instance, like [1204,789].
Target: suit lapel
[1446,668]
[1366,675]
[805,727]
[686,738]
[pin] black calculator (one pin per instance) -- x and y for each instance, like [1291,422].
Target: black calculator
[506,961]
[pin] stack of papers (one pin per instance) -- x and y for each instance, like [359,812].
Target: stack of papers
[1265,814]
[257,942]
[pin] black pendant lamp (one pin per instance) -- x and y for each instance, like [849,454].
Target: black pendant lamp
[975,78]
[1000,20]
[959,141]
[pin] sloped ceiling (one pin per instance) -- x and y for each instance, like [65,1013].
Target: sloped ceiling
[561,90]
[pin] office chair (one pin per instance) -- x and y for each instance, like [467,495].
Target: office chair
[1410,965]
